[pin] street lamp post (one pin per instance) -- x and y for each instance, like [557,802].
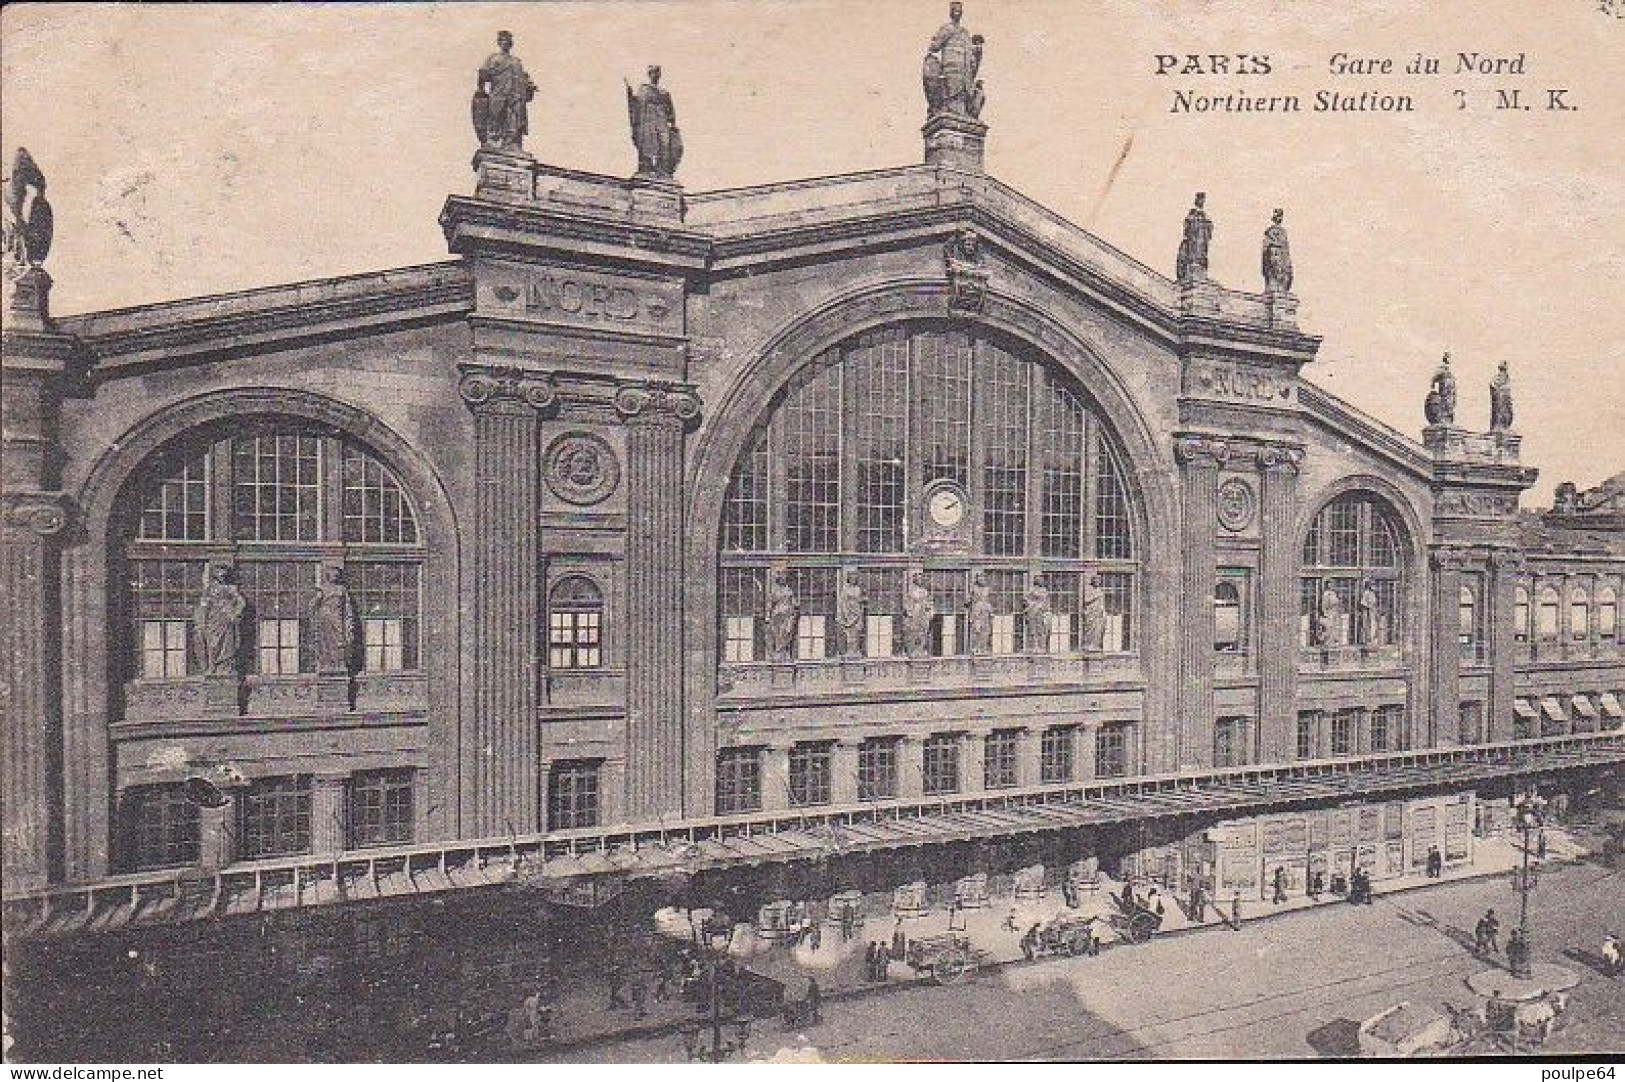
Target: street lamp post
[1528,813]
[711,938]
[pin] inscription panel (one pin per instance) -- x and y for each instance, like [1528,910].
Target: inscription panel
[579,299]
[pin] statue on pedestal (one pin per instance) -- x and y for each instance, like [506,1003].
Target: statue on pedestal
[918,612]
[1365,624]
[850,609]
[502,95]
[1441,401]
[1094,613]
[217,623]
[28,223]
[1331,618]
[1040,616]
[333,624]
[980,616]
[952,60]
[1277,258]
[1501,400]
[783,612]
[654,127]
[1191,265]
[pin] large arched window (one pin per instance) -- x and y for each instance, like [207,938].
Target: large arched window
[962,456]
[1351,587]
[275,502]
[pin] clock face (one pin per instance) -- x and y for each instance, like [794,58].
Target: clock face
[946,507]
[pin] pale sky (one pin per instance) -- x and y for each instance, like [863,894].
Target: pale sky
[196,150]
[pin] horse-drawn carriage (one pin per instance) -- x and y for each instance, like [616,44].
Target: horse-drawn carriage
[946,958]
[1066,934]
[1134,924]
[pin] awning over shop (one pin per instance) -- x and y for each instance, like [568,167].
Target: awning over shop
[1582,706]
[1525,710]
[1610,705]
[1552,709]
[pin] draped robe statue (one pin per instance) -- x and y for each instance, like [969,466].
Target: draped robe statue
[333,624]
[980,615]
[918,611]
[1277,257]
[1094,614]
[502,95]
[850,609]
[1040,616]
[1441,407]
[654,127]
[1501,400]
[952,60]
[1191,264]
[217,623]
[783,610]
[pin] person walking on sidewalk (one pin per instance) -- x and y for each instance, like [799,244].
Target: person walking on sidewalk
[1280,886]
[1235,911]
[899,942]
[815,1000]
[1198,903]
[1491,926]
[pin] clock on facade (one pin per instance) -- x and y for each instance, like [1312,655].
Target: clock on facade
[946,521]
[946,506]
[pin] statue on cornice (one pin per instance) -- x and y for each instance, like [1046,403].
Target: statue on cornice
[1040,615]
[952,60]
[783,613]
[1277,258]
[217,623]
[1191,265]
[1094,613]
[502,96]
[850,610]
[918,611]
[333,623]
[1501,400]
[654,127]
[980,615]
[1441,401]
[28,221]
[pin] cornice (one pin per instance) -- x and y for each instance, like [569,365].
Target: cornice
[1368,432]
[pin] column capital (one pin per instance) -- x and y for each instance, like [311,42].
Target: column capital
[657,403]
[497,389]
[1450,559]
[1201,452]
[45,513]
[1278,458]
[1507,561]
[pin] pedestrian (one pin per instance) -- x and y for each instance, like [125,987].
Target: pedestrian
[1317,884]
[849,924]
[1235,911]
[953,914]
[1492,932]
[1540,845]
[616,980]
[1029,943]
[815,936]
[899,942]
[1280,886]
[1069,892]
[869,961]
[640,997]
[1153,902]
[1613,961]
[1128,896]
[1198,903]
[815,1000]
[1435,862]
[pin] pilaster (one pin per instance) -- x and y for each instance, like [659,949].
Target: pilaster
[217,832]
[1502,590]
[973,763]
[1443,715]
[1199,459]
[911,767]
[775,778]
[327,813]
[844,773]
[1277,622]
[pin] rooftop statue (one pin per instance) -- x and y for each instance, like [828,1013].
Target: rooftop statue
[28,222]
[1277,257]
[502,95]
[952,60]
[654,127]
[1191,266]
[1441,400]
[1501,400]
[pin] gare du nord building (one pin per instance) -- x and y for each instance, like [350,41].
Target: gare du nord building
[887,522]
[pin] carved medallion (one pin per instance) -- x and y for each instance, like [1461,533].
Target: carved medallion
[1236,505]
[581,469]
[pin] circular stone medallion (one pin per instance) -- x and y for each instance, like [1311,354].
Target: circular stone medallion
[1236,505]
[580,468]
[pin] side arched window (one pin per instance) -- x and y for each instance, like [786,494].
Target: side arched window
[575,624]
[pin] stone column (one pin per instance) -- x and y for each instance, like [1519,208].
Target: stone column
[844,773]
[327,814]
[506,626]
[1276,621]
[910,767]
[1199,459]
[655,419]
[1443,715]
[1501,599]
[775,778]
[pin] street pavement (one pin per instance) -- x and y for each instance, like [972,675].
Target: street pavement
[1295,985]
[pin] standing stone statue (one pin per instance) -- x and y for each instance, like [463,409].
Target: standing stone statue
[217,623]
[1277,258]
[1094,614]
[502,95]
[1191,266]
[952,60]
[28,223]
[783,611]
[1331,618]
[1441,400]
[1501,400]
[850,609]
[1366,623]
[918,612]
[654,127]
[1040,616]
[333,623]
[980,617]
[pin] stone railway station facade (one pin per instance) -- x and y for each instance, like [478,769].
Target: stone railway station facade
[655,513]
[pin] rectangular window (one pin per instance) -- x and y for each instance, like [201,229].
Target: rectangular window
[1579,615]
[948,595]
[276,489]
[1111,751]
[1395,735]
[380,808]
[1550,607]
[811,774]
[1308,728]
[179,509]
[942,407]
[1608,614]
[1057,755]
[278,647]
[382,648]
[739,642]
[572,795]
[1472,723]
[1004,633]
[877,768]
[814,588]
[279,596]
[575,638]
[1342,538]
[1113,531]
[810,425]
[999,765]
[878,633]
[940,773]
[375,509]
[744,505]
[161,827]
[273,817]
[739,780]
[812,643]
[1061,435]
[163,648]
[1001,421]
[1118,587]
[1380,719]
[877,398]
[1230,596]
[1060,633]
[1230,742]
[1345,724]
[388,598]
[742,590]
[163,594]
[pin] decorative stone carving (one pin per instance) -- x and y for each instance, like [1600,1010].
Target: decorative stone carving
[1440,407]
[28,223]
[783,612]
[508,385]
[654,127]
[1475,504]
[44,513]
[217,623]
[850,610]
[1501,400]
[333,624]
[1191,264]
[967,277]
[952,61]
[1277,257]
[1040,615]
[1236,504]
[1276,457]
[1449,559]
[580,468]
[918,611]
[1201,451]
[1365,623]
[1331,618]
[502,96]
[1094,613]
[979,615]
[651,399]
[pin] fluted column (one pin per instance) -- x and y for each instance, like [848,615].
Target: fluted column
[1199,461]
[655,419]
[1277,621]
[1502,599]
[1444,713]
[505,767]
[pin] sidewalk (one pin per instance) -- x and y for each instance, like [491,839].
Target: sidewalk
[583,1015]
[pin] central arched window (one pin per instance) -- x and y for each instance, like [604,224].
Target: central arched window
[276,502]
[961,456]
[1351,587]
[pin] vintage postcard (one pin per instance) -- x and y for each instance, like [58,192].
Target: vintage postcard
[812,531]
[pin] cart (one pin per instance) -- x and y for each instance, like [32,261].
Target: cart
[1066,935]
[946,958]
[1136,925]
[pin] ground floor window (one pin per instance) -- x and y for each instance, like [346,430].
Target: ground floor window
[940,772]
[1472,723]
[572,795]
[380,808]
[739,780]
[1230,742]
[1345,727]
[1057,755]
[1308,727]
[274,817]
[877,769]
[1388,728]
[161,827]
[811,774]
[1111,751]
[999,769]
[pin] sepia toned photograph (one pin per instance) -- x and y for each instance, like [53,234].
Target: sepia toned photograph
[812,532]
